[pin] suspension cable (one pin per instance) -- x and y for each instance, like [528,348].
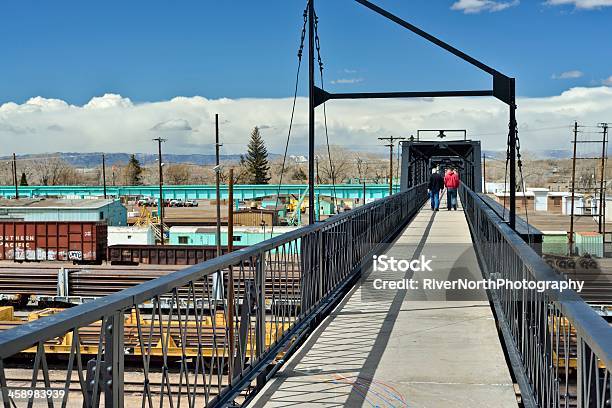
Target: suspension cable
[506,173]
[320,61]
[300,53]
[523,186]
[519,163]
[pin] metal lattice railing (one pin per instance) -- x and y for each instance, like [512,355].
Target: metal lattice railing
[208,335]
[560,348]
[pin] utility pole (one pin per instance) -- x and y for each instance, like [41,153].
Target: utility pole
[602,184]
[391,139]
[311,114]
[15,177]
[364,191]
[484,172]
[571,235]
[104,174]
[318,177]
[160,203]
[217,188]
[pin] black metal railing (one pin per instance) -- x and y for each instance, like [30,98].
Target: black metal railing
[208,335]
[559,347]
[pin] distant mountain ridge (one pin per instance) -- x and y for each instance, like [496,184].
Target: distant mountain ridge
[91,160]
[540,154]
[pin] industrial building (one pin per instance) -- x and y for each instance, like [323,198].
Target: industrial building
[131,235]
[243,236]
[48,210]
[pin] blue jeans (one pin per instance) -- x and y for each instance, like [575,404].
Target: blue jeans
[451,198]
[435,199]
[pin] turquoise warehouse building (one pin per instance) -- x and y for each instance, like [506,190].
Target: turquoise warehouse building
[243,236]
[55,210]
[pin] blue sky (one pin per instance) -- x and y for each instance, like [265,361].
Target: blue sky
[155,50]
[90,76]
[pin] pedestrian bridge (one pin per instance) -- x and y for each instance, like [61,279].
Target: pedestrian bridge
[300,320]
[410,348]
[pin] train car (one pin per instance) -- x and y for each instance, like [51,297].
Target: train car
[162,254]
[34,241]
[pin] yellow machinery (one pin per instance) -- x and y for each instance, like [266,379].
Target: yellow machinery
[146,218]
[203,339]
[566,332]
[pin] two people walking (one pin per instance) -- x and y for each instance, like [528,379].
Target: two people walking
[437,183]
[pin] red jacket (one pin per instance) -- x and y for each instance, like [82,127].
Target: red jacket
[451,180]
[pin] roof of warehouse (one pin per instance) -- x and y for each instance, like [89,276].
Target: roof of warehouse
[42,203]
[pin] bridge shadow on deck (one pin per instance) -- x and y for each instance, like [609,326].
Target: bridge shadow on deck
[353,344]
[356,336]
[337,366]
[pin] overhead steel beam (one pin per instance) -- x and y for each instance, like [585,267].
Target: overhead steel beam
[501,82]
[504,89]
[322,96]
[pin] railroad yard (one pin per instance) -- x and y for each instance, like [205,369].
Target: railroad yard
[180,229]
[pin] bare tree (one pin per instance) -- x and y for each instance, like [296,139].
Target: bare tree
[52,171]
[362,167]
[340,167]
[177,174]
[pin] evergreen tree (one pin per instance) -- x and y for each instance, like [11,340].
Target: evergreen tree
[256,160]
[24,180]
[133,171]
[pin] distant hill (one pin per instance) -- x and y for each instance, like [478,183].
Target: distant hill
[540,154]
[90,160]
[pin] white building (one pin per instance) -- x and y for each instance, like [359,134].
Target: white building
[131,236]
[540,198]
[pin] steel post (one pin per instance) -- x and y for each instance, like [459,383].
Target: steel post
[512,157]
[311,114]
[260,322]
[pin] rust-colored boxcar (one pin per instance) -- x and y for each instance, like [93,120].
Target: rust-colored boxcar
[80,242]
[161,255]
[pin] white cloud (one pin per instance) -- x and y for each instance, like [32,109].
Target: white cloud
[108,101]
[126,127]
[478,6]
[581,4]
[172,125]
[347,81]
[569,75]
[607,81]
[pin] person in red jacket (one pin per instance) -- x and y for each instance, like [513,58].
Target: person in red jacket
[451,182]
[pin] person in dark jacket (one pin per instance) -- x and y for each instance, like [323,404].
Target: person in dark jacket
[436,183]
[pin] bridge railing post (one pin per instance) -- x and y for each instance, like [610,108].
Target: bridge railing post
[114,358]
[260,322]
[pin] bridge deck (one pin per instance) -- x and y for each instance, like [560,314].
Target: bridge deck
[394,348]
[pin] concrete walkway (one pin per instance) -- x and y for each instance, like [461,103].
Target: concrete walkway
[404,348]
